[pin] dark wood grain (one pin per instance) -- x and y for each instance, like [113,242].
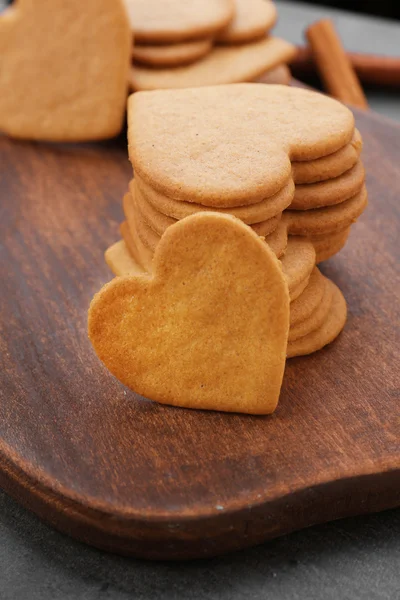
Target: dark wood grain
[128,475]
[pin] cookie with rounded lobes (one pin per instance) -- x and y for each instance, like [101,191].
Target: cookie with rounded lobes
[120,262]
[298,260]
[252,20]
[251,214]
[159,222]
[71,83]
[172,55]
[328,167]
[332,191]
[223,65]
[234,143]
[280,75]
[327,332]
[318,316]
[172,21]
[329,219]
[208,329]
[302,308]
[298,263]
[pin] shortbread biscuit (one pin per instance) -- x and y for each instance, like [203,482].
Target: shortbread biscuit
[230,146]
[330,244]
[298,263]
[320,221]
[330,192]
[325,334]
[159,221]
[302,308]
[172,55]
[64,69]
[328,167]
[251,214]
[223,65]
[296,291]
[318,316]
[172,21]
[141,252]
[208,329]
[120,260]
[277,240]
[252,20]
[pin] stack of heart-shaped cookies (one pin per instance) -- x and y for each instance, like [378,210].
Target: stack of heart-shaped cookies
[330,195]
[248,150]
[205,42]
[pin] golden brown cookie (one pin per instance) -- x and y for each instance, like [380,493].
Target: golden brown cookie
[159,221]
[223,65]
[140,252]
[120,260]
[320,221]
[296,291]
[251,214]
[330,244]
[252,20]
[208,329]
[233,144]
[302,308]
[328,331]
[328,167]
[169,21]
[329,192]
[64,69]
[298,263]
[135,219]
[172,55]
[277,240]
[318,316]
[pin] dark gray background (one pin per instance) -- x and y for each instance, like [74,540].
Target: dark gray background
[353,559]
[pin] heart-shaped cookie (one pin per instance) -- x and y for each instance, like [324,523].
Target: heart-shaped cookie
[208,329]
[232,145]
[64,69]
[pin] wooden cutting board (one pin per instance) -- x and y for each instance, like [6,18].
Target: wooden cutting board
[128,475]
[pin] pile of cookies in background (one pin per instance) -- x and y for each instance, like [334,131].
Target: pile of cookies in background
[72,83]
[205,42]
[285,161]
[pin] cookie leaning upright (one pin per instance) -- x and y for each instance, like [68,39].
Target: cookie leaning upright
[208,329]
[64,69]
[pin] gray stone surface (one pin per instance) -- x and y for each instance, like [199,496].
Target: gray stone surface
[348,560]
[355,559]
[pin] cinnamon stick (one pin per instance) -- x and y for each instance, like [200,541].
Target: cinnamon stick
[370,68]
[334,66]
